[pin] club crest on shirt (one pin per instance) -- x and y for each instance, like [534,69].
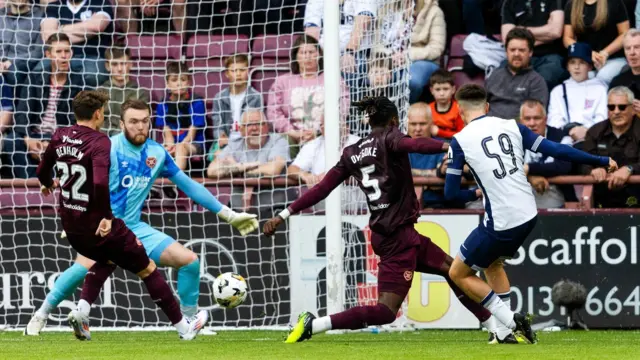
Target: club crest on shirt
[408,275]
[151,161]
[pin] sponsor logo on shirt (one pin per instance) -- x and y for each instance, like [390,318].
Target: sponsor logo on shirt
[137,182]
[69,140]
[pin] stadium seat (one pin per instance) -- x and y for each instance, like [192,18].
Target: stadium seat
[209,51]
[152,52]
[272,50]
[455,63]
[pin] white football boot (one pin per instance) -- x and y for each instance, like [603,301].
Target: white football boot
[196,324]
[35,325]
[80,325]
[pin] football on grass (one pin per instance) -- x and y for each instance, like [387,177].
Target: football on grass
[229,290]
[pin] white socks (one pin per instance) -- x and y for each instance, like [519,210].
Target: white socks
[321,325]
[490,324]
[182,326]
[83,307]
[499,309]
[502,330]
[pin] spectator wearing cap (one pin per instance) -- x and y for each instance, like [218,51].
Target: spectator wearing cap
[631,77]
[545,19]
[579,102]
[619,138]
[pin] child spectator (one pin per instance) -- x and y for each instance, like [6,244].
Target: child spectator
[120,87]
[181,116]
[230,103]
[381,77]
[579,102]
[444,110]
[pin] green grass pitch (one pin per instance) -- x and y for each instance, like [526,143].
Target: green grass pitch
[263,345]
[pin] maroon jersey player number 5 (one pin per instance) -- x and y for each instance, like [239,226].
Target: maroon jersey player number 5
[380,165]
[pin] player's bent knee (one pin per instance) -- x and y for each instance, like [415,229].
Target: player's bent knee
[192,266]
[148,270]
[85,261]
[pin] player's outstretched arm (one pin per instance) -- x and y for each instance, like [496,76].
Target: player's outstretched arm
[538,143]
[334,177]
[244,222]
[452,191]
[422,146]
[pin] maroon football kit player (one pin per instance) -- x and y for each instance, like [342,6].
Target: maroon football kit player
[380,165]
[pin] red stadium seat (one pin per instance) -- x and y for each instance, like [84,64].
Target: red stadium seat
[455,63]
[272,50]
[455,48]
[153,51]
[207,51]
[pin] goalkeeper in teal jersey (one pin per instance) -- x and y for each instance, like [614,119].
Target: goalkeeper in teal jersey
[136,162]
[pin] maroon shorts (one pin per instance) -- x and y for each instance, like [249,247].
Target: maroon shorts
[401,253]
[121,247]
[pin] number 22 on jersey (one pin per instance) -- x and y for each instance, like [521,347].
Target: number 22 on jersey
[77,185]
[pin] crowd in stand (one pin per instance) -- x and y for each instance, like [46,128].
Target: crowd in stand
[569,70]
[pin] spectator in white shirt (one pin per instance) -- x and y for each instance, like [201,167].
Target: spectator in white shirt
[578,102]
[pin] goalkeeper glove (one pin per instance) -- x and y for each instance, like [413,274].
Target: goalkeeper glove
[244,222]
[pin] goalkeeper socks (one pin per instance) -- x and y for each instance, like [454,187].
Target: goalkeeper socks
[93,282]
[360,317]
[65,286]
[502,330]
[498,308]
[476,309]
[321,325]
[163,297]
[189,288]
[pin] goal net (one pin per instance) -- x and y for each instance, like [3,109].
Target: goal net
[256,147]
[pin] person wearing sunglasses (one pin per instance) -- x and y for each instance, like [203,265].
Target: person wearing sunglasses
[619,138]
